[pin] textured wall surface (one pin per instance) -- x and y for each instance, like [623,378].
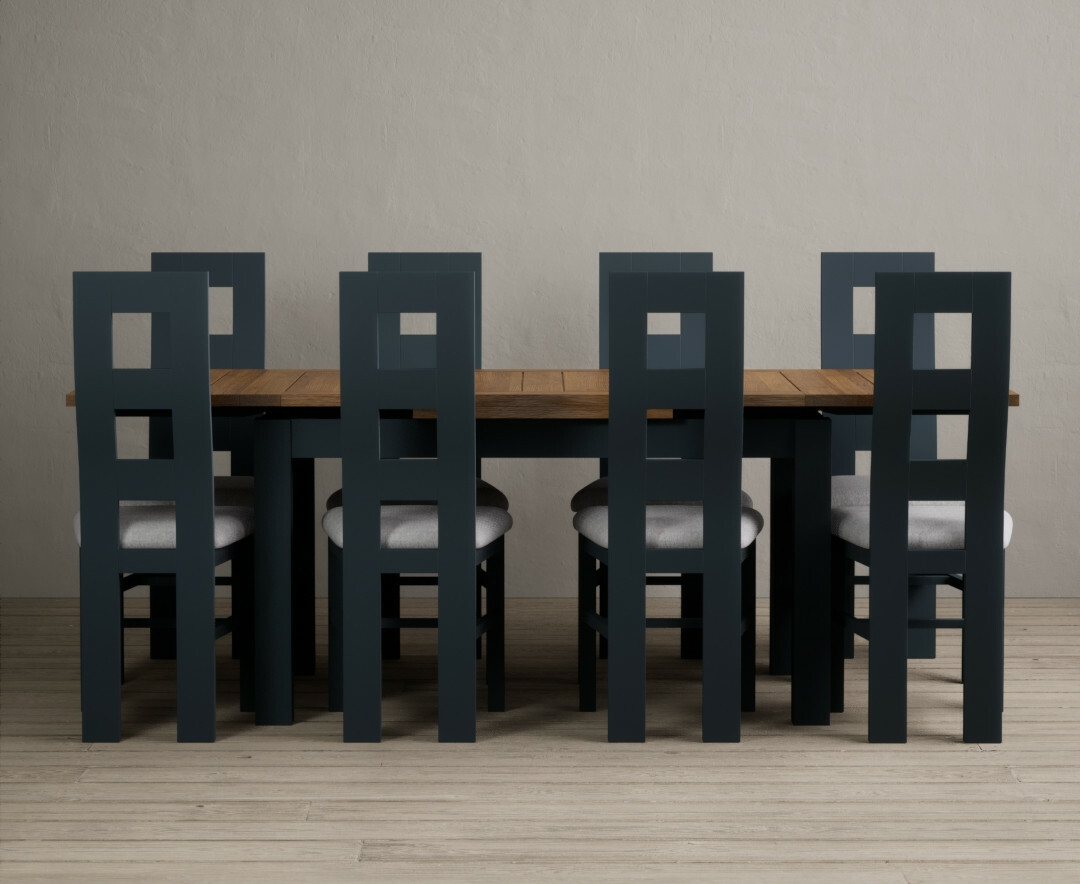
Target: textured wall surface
[538,133]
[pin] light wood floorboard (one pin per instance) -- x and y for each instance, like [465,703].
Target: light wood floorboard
[542,795]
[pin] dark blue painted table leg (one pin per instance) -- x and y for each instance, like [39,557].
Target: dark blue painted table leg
[273,572]
[810,673]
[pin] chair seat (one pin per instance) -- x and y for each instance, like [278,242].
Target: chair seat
[486,495]
[416,526]
[152,525]
[667,526]
[932,524]
[596,494]
[850,491]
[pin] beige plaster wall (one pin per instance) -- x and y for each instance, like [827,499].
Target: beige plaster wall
[538,133]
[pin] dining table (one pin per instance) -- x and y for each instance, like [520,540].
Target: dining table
[547,413]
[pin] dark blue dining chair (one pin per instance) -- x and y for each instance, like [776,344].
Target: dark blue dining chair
[703,529]
[142,519]
[411,514]
[931,516]
[843,347]
[415,349]
[684,349]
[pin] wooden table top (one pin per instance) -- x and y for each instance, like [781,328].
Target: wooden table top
[544,393]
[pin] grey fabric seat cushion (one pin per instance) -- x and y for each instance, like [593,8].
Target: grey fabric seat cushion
[667,526]
[851,491]
[934,524]
[152,525]
[416,525]
[486,495]
[596,494]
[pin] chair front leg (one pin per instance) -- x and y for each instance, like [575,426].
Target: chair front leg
[922,605]
[496,631]
[196,698]
[335,636]
[887,708]
[586,637]
[162,608]
[983,649]
[601,580]
[243,611]
[690,605]
[101,638]
[391,607]
[749,637]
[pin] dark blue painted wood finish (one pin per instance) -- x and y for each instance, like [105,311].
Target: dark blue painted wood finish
[177,385]
[841,347]
[377,380]
[433,262]
[713,388]
[683,350]
[902,391]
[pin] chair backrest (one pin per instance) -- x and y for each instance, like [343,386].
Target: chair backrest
[245,347]
[245,274]
[431,262]
[374,384]
[841,347]
[902,390]
[711,394]
[178,384]
[682,350]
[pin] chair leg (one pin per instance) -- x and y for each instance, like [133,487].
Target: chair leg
[749,637]
[123,676]
[480,608]
[690,606]
[848,608]
[496,632]
[243,589]
[335,637]
[922,605]
[721,656]
[984,645]
[361,655]
[586,638]
[391,607]
[101,638]
[601,579]
[162,607]
[196,702]
[840,594]
[887,708]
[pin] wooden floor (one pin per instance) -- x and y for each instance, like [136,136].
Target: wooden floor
[541,795]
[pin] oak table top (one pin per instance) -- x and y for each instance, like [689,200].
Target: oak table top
[542,393]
